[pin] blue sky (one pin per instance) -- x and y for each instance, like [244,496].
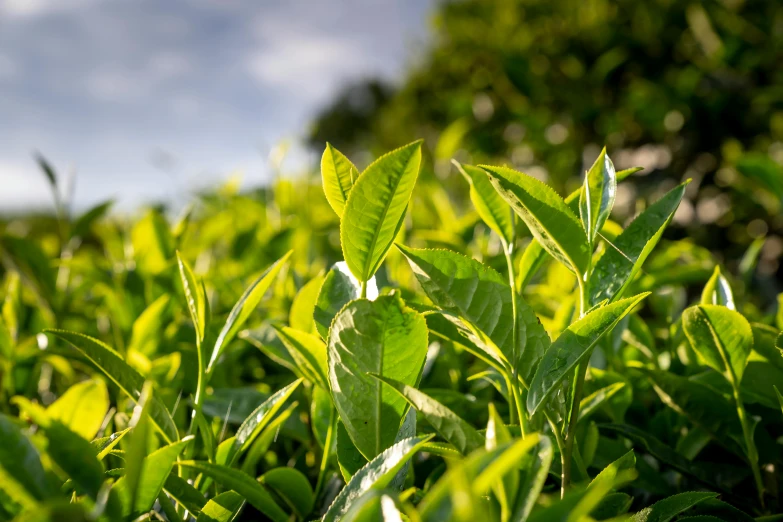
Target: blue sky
[106,88]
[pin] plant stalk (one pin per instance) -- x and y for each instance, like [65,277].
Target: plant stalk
[750,444]
[514,381]
[581,371]
[364,290]
[327,449]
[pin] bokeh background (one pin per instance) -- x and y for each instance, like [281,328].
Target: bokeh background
[150,102]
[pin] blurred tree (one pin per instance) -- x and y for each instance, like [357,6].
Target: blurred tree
[692,89]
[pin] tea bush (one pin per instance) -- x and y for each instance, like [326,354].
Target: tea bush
[375,351]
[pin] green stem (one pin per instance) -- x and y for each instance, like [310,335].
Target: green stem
[750,444]
[327,451]
[364,290]
[513,403]
[559,442]
[581,371]
[514,381]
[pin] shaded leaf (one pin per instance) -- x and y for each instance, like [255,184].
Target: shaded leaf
[447,423]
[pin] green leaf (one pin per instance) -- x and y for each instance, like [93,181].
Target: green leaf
[597,196]
[56,511]
[194,297]
[668,508]
[222,508]
[596,399]
[75,456]
[618,472]
[154,473]
[104,445]
[447,423]
[309,353]
[779,396]
[624,258]
[717,291]
[339,175]
[339,288]
[497,433]
[382,336]
[531,261]
[722,337]
[573,345]
[242,483]
[513,453]
[377,474]
[245,306]
[535,469]
[32,263]
[482,298]
[256,421]
[180,490]
[147,327]
[490,206]
[82,407]
[300,316]
[22,476]
[349,458]
[373,506]
[84,222]
[376,207]
[123,376]
[293,487]
[701,405]
[547,216]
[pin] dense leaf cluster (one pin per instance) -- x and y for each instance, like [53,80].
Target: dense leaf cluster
[374,355]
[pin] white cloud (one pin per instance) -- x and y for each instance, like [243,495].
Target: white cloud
[308,66]
[23,187]
[112,82]
[30,8]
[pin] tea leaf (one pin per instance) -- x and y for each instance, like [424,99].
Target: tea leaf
[722,337]
[492,209]
[447,423]
[376,207]
[597,196]
[242,483]
[547,216]
[382,336]
[81,408]
[244,307]
[339,288]
[717,291]
[154,472]
[221,508]
[624,258]
[339,175]
[292,486]
[123,376]
[668,508]
[377,474]
[573,345]
[258,419]
[309,353]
